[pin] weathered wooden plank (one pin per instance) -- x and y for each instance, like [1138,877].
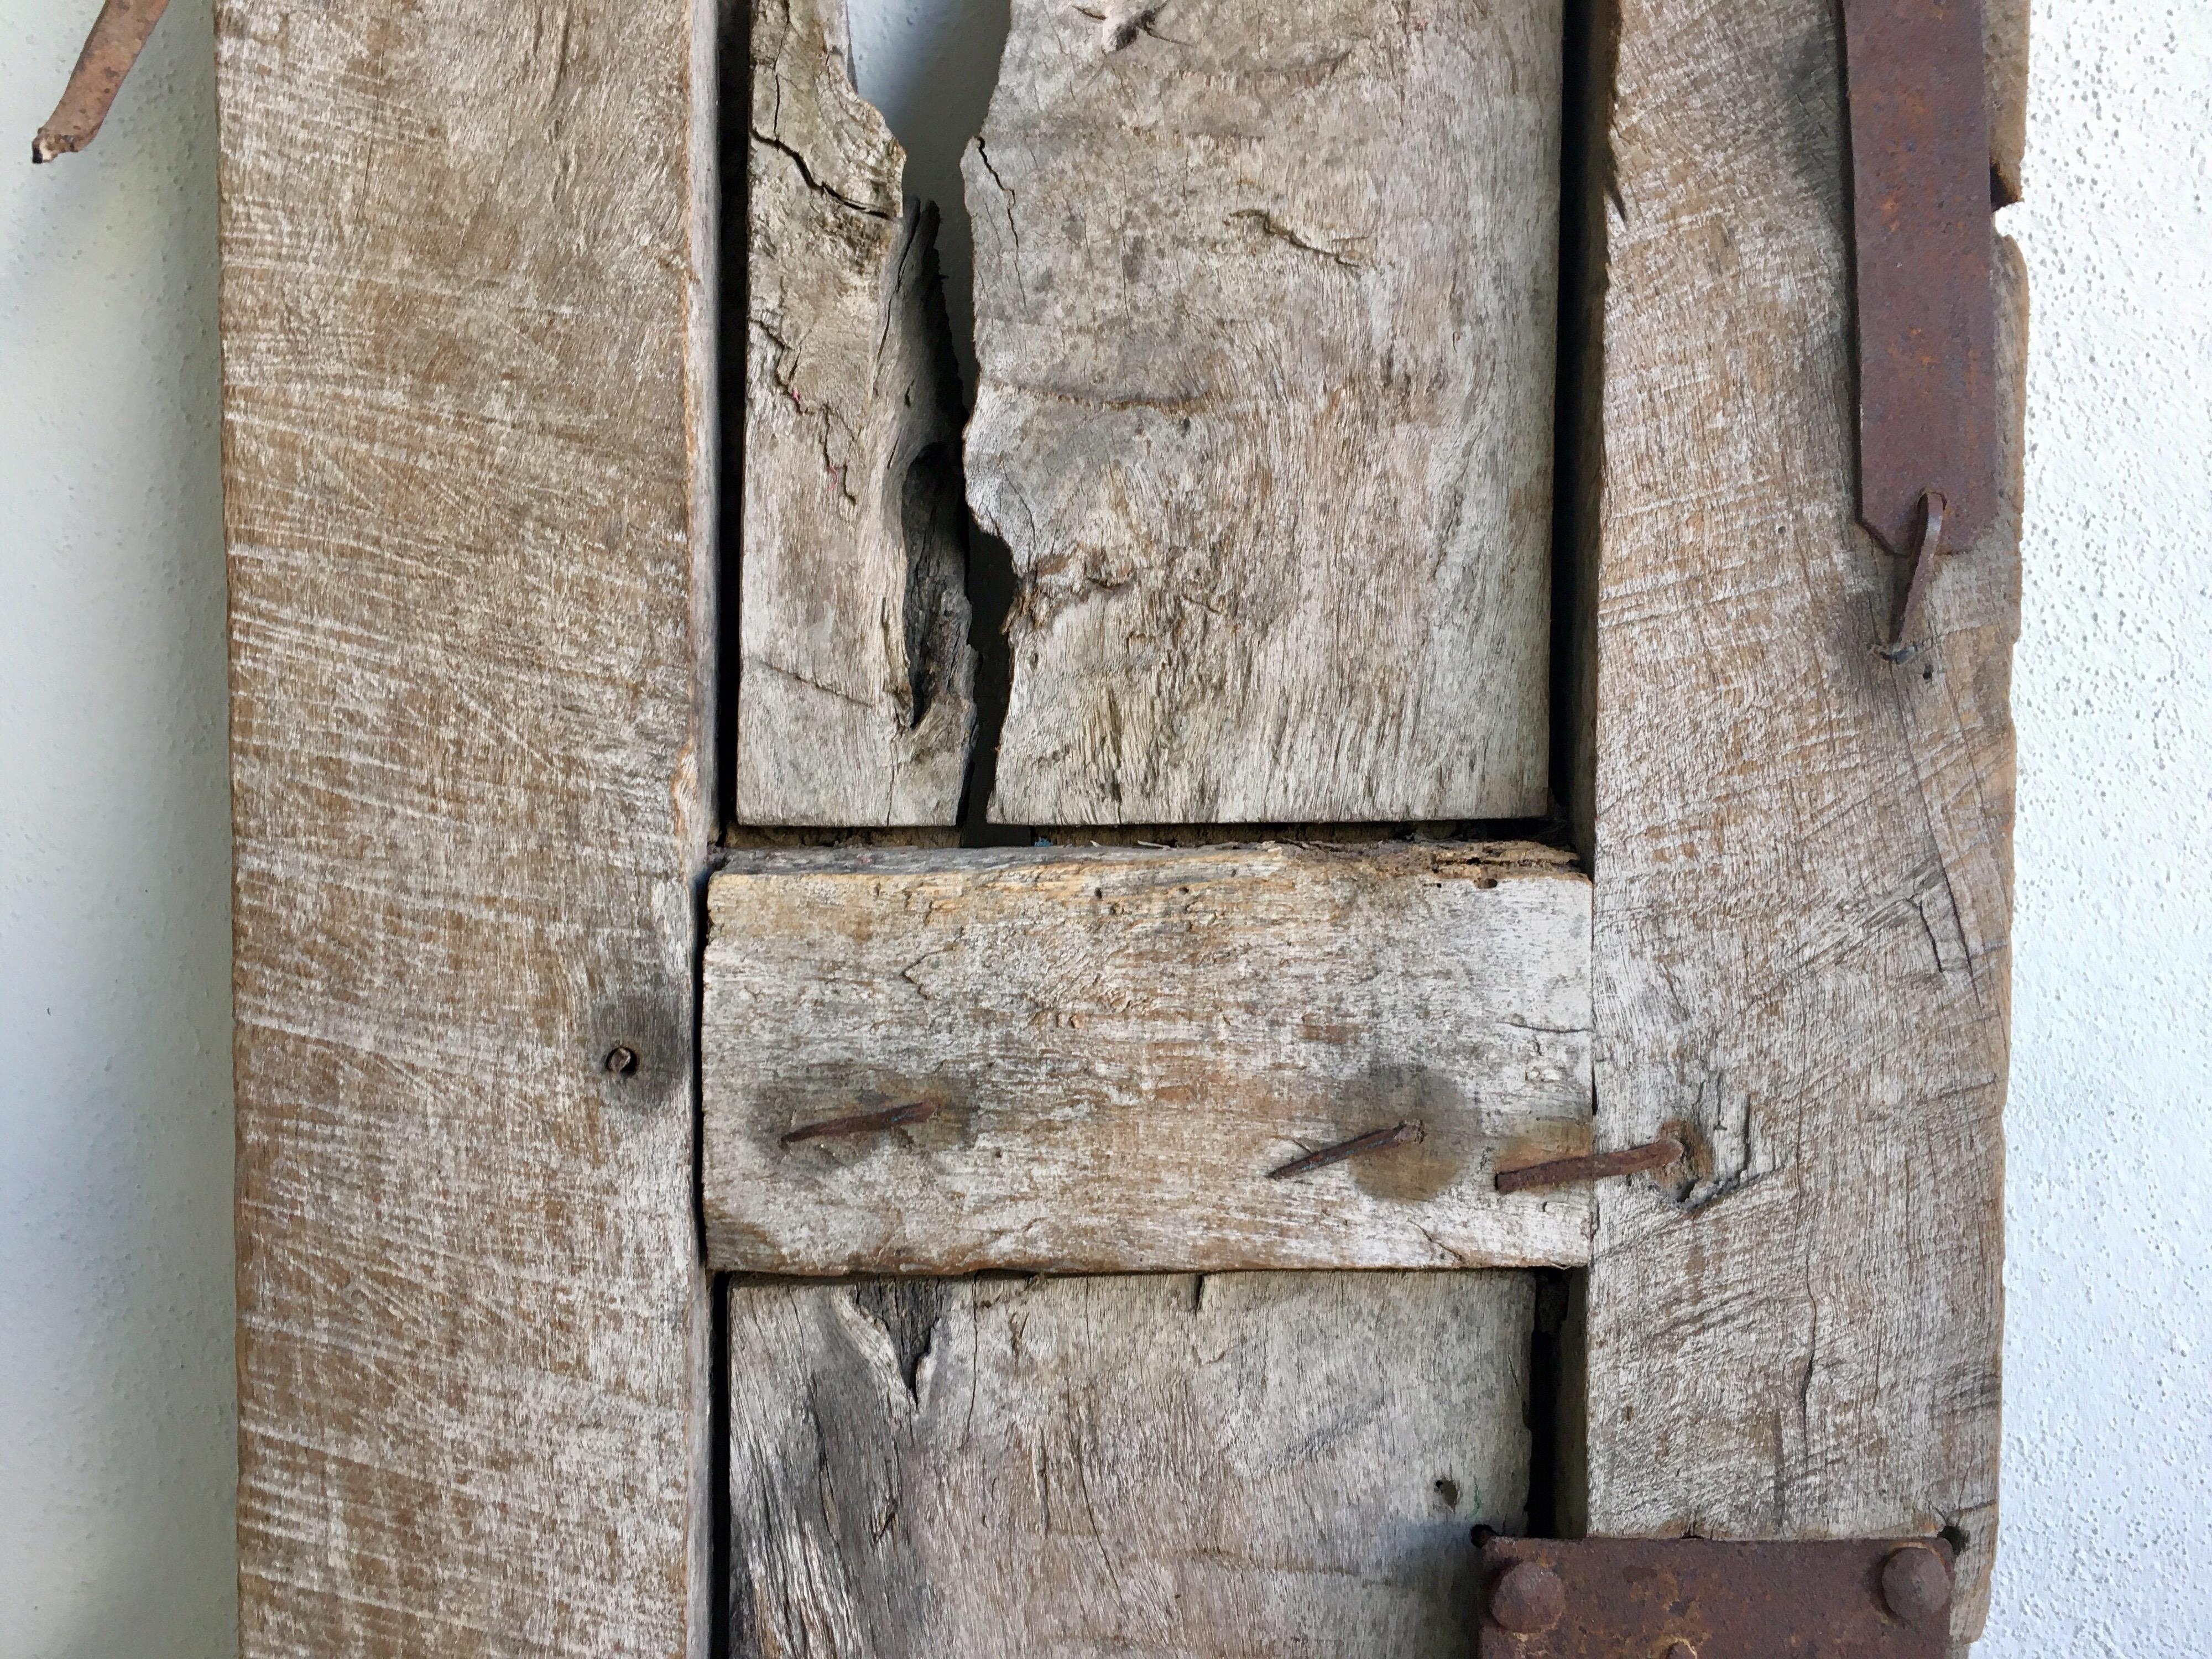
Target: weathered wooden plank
[2005,24]
[1249,1464]
[1117,1046]
[463,254]
[1801,853]
[855,701]
[1265,304]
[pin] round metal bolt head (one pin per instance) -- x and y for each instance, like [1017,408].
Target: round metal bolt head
[1915,1583]
[1527,1598]
[621,1059]
[1681,1650]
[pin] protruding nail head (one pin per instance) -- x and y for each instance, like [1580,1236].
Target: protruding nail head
[1915,1583]
[1528,1598]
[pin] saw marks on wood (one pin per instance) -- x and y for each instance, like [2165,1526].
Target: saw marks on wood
[1802,853]
[1107,1051]
[1250,1464]
[1266,307]
[467,531]
[856,686]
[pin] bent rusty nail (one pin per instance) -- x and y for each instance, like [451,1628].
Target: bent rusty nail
[1598,1166]
[1373,1141]
[860,1123]
[118,35]
[1902,649]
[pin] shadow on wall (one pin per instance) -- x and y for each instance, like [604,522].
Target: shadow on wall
[930,66]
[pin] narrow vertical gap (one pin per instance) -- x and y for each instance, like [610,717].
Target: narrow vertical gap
[732,114]
[1546,1368]
[930,67]
[1588,45]
[733,95]
[1559,1478]
[722,1609]
[991,599]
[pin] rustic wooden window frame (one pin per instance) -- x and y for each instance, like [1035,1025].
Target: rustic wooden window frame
[470,449]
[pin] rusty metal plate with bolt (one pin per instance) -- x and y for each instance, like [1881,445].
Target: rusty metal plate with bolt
[1694,1598]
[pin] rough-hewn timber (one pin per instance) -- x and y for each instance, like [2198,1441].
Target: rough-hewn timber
[464,255]
[1801,853]
[1264,1465]
[855,697]
[1106,1053]
[1265,301]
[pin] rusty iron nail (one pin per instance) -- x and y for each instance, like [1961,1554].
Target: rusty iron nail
[621,1059]
[1373,1141]
[1598,1166]
[861,1123]
[1915,1583]
[1902,648]
[1528,1598]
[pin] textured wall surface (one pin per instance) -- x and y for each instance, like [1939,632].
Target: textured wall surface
[115,1309]
[116,1417]
[2108,1414]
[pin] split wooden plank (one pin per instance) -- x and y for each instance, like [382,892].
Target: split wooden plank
[1256,1464]
[1108,1051]
[856,684]
[464,250]
[1265,304]
[1801,853]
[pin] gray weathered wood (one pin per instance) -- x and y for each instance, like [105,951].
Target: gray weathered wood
[463,252]
[1802,854]
[1265,309]
[1248,1464]
[855,701]
[1120,1044]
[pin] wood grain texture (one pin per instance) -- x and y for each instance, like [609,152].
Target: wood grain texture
[2005,25]
[1248,1464]
[1119,1045]
[469,582]
[1802,854]
[1265,301]
[856,683]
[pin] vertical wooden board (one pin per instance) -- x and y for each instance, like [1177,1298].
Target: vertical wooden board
[1801,853]
[856,682]
[1116,1047]
[856,703]
[462,261]
[1251,1464]
[1264,306]
[2005,25]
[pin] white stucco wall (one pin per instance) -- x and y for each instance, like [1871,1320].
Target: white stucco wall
[115,1305]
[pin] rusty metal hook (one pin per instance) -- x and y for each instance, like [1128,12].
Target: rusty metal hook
[1901,648]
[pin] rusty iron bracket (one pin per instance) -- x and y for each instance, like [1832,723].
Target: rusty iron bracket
[1921,239]
[1695,1598]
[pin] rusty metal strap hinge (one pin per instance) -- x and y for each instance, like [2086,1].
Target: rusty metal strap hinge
[1922,241]
[1693,1598]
